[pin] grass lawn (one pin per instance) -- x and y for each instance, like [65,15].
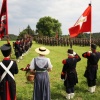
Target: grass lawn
[57,54]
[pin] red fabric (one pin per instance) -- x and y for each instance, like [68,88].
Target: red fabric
[56,36]
[62,73]
[93,51]
[3,20]
[8,92]
[17,42]
[84,55]
[26,68]
[76,57]
[70,56]
[83,24]
[88,54]
[6,58]
[64,61]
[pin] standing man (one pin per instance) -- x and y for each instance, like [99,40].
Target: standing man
[69,73]
[92,66]
[8,68]
[17,49]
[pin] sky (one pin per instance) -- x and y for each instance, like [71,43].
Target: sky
[22,13]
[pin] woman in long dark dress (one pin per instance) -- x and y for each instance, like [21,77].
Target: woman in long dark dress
[41,65]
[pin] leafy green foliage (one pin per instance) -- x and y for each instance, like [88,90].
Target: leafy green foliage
[27,31]
[48,26]
[87,35]
[12,37]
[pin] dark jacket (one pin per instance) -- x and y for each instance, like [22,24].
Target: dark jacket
[8,81]
[92,64]
[69,73]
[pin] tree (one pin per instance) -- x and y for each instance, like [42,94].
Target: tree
[27,31]
[48,26]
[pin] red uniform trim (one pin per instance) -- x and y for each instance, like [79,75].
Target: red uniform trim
[76,56]
[84,55]
[62,73]
[70,56]
[64,61]
[94,51]
[8,92]
[6,58]
[88,54]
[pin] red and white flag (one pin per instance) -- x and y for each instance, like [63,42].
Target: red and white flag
[3,20]
[83,24]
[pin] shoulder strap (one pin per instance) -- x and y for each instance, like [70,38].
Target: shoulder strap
[6,70]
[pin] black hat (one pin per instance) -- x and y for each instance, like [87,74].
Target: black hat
[6,50]
[17,39]
[93,46]
[70,51]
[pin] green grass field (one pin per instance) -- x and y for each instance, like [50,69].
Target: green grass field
[57,54]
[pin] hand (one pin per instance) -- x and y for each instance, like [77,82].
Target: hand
[89,52]
[74,53]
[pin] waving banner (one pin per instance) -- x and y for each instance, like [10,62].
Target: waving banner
[83,24]
[3,20]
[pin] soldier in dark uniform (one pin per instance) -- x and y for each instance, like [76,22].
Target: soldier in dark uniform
[17,49]
[8,68]
[92,65]
[70,43]
[69,73]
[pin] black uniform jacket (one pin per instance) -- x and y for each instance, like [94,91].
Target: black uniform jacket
[8,85]
[92,64]
[69,73]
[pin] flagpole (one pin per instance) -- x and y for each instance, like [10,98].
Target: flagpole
[91,24]
[7,22]
[7,16]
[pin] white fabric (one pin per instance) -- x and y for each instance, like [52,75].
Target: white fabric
[6,70]
[74,53]
[41,62]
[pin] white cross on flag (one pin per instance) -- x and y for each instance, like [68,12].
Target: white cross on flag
[83,24]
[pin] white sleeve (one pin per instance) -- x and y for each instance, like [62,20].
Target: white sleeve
[32,64]
[49,63]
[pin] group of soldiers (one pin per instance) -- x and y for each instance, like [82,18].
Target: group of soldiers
[64,41]
[21,47]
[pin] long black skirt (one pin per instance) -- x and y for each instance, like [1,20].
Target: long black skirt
[41,86]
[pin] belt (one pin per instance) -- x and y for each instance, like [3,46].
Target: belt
[41,71]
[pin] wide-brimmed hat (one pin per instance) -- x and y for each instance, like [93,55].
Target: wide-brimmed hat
[6,49]
[42,50]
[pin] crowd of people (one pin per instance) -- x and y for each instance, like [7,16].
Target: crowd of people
[66,41]
[21,47]
[41,65]
[69,73]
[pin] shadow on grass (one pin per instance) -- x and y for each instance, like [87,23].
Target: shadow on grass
[80,87]
[98,81]
[57,96]
[58,92]
[21,98]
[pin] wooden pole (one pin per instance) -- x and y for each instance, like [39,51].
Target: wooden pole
[91,24]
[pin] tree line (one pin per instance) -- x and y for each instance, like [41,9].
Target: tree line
[48,26]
